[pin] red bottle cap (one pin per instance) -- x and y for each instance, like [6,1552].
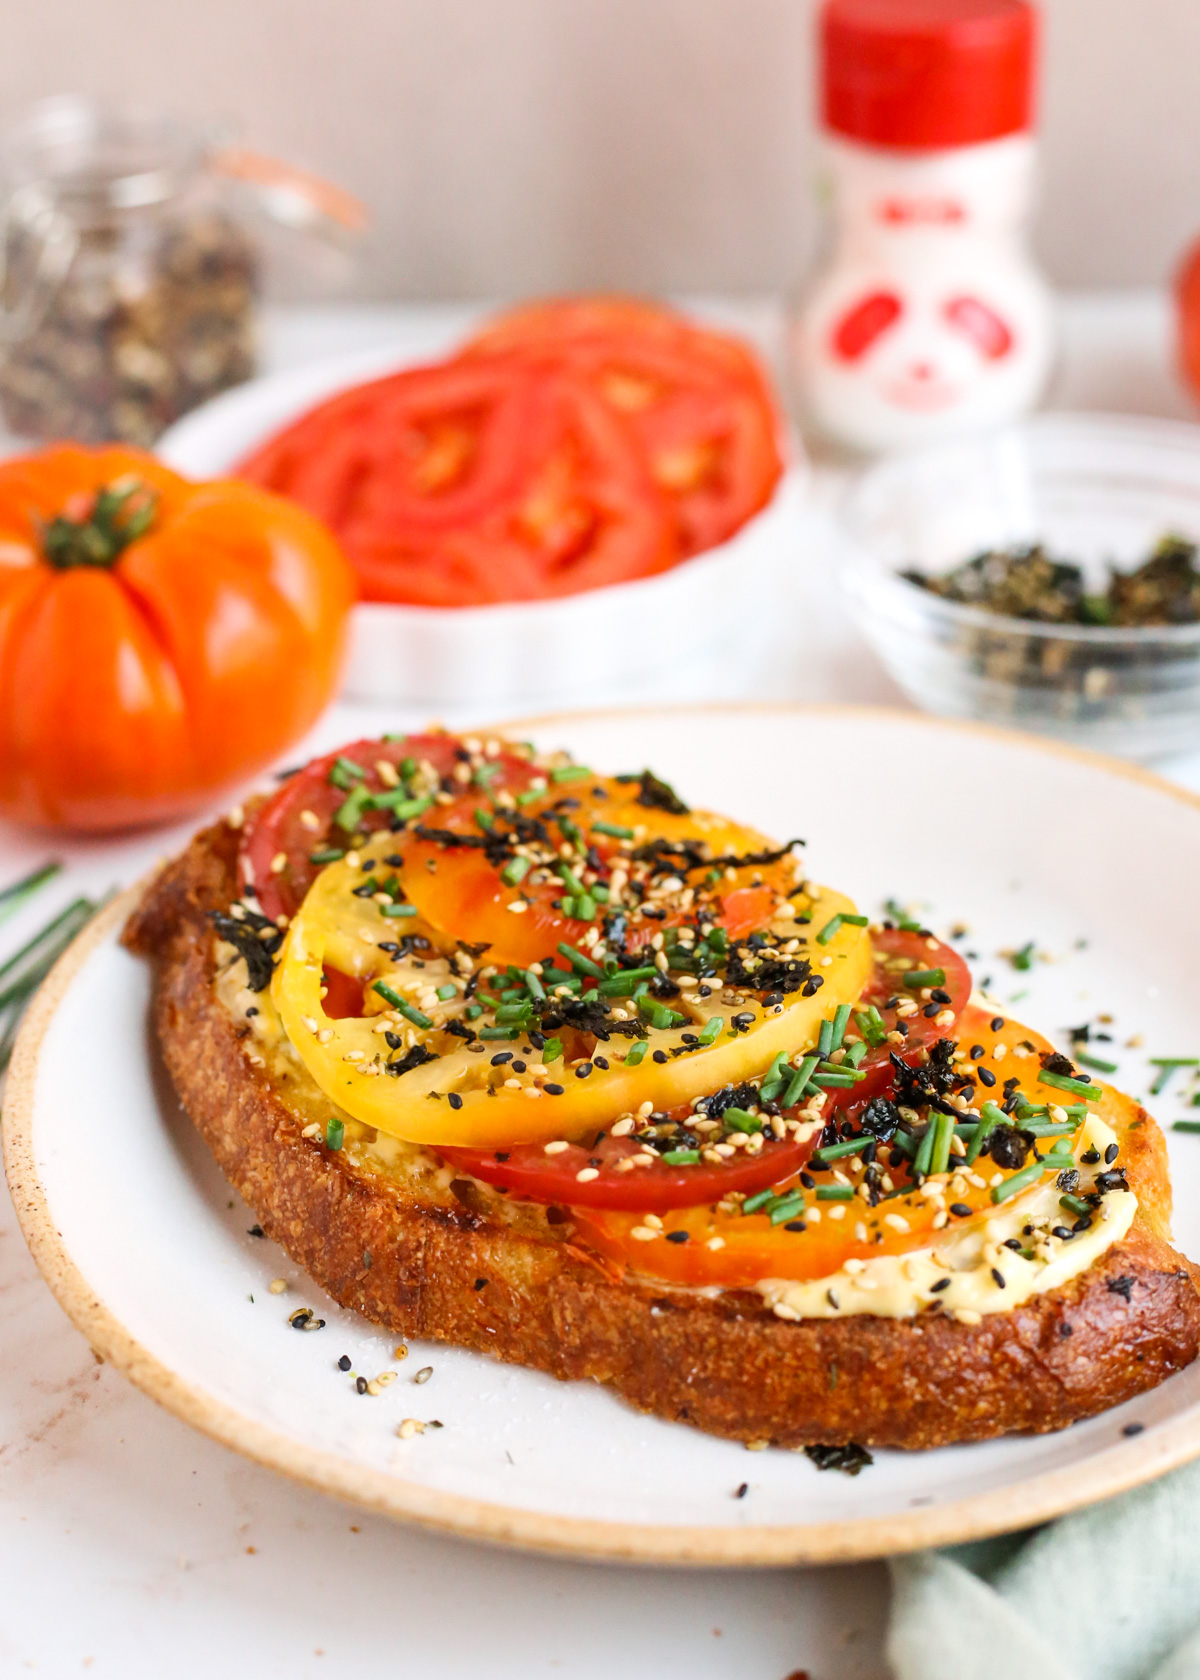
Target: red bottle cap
[927,74]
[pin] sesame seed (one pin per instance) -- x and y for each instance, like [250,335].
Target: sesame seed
[278,1286]
[278,863]
[557,1147]
[409,1428]
[643,1233]
[586,1174]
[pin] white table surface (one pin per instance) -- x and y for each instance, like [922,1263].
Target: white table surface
[131,1546]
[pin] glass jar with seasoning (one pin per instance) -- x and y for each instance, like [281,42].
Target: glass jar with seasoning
[131,268]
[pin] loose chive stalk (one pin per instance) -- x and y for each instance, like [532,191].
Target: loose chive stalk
[13,897]
[327,854]
[530,794]
[515,871]
[830,928]
[759,1200]
[835,1081]
[397,912]
[445,993]
[636,1053]
[918,977]
[1185,1126]
[907,1144]
[577,960]
[1094,1062]
[569,879]
[353,808]
[403,809]
[389,995]
[855,1054]
[774,1078]
[1074,1204]
[837,1151]
[1019,1181]
[1077,1087]
[484,819]
[570,773]
[534,984]
[1166,1066]
[1023,959]
[551,1050]
[613,829]
[585,908]
[841,1020]
[737,1120]
[499,1032]
[335,1134]
[943,1133]
[825,1039]
[835,1192]
[711,1030]
[1046,1129]
[799,1081]
[344,773]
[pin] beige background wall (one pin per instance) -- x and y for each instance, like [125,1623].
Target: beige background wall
[506,145]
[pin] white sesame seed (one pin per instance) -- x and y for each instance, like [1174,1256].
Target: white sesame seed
[518,906]
[278,1286]
[278,863]
[557,1147]
[897,1221]
[585,1175]
[643,1233]
[409,1428]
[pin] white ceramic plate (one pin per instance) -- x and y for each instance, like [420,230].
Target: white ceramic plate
[511,653]
[148,1249]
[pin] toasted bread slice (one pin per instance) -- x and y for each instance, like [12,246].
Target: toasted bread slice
[428,1255]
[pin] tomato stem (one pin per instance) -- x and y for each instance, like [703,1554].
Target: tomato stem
[119,514]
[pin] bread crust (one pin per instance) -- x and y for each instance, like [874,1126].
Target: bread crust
[725,1365]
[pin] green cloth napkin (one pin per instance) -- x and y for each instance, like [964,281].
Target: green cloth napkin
[1110,1593]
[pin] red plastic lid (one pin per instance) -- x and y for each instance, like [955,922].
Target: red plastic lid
[927,73]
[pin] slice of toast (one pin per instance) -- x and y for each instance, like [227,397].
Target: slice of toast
[430,1255]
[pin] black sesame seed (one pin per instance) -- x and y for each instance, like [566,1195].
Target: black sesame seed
[582,1071]
[985,1077]
[502,1154]
[256,1231]
[454,1099]
[741,1492]
[518,1067]
[1111,1153]
[960,1210]
[501,1056]
[599,1061]
[997,1022]
[659,1056]
[795,1225]
[998,1278]
[977,1052]
[344,1362]
[553,1090]
[480,1283]
[1014,1243]
[1066,1329]
[1133,1428]
[677,1236]
[936,1288]
[808,1181]
[360,1384]
[1063,1231]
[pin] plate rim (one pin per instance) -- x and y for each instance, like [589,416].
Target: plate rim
[1036,1499]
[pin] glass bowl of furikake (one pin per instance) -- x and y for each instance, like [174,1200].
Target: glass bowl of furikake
[1046,578]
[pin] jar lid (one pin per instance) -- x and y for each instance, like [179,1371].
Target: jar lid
[927,74]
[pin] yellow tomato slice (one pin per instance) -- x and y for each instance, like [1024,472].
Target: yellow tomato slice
[459,1097]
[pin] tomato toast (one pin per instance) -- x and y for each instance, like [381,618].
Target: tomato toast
[547,1064]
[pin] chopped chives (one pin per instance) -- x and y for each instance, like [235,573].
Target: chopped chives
[924,1153]
[1018,1182]
[1077,1087]
[473,1011]
[613,829]
[570,773]
[1185,1126]
[787,1208]
[1048,1129]
[396,912]
[569,879]
[534,984]
[551,1050]
[636,1053]
[14,896]
[680,1157]
[343,773]
[1075,1205]
[943,1133]
[515,871]
[353,808]
[799,1081]
[904,922]
[834,1081]
[388,995]
[577,960]
[625,983]
[445,993]
[758,1200]
[335,1133]
[918,977]
[830,928]
[738,1120]
[585,908]
[530,794]
[835,1192]
[659,1016]
[1023,959]
[499,1032]
[841,1020]
[327,854]
[711,1030]
[871,1026]
[1174,1061]
[990,1116]
[402,809]
[836,1151]
[484,775]
[1095,1062]
[484,819]
[825,1038]
[855,1053]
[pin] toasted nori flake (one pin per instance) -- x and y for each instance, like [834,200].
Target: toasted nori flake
[729,1096]
[927,1084]
[1055,1062]
[658,795]
[849,1459]
[772,974]
[1114,1180]
[460,1029]
[881,1118]
[473,950]
[254,942]
[414,1058]
[1008,1146]
[594,1017]
[1122,1286]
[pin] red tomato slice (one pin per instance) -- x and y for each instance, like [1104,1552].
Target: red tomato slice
[698,401]
[296,823]
[527,1171]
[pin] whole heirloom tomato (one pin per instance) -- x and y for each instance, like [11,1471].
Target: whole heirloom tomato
[159,640]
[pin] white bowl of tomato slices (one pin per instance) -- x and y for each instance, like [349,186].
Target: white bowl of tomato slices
[524,511]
